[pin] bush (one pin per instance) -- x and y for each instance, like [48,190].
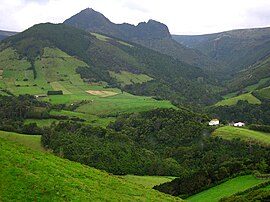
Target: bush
[55,92]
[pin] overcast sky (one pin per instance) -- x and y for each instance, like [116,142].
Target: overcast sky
[181,16]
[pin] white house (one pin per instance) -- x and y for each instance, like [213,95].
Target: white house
[239,124]
[214,122]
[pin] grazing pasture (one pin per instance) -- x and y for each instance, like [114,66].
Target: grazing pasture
[225,189]
[230,132]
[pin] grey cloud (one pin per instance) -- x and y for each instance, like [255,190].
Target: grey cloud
[35,1]
[135,6]
[259,16]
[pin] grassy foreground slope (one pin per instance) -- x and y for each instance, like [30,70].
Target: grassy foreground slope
[32,141]
[229,133]
[27,175]
[228,188]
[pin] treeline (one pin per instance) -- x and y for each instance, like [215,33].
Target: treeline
[263,128]
[106,150]
[243,111]
[13,111]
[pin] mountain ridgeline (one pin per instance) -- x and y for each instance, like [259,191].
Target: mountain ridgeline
[172,79]
[243,52]
[151,34]
[93,21]
[5,34]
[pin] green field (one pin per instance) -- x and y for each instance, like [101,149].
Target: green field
[122,103]
[255,86]
[92,119]
[233,100]
[106,38]
[230,132]
[127,78]
[32,141]
[263,93]
[148,181]
[225,189]
[41,122]
[28,175]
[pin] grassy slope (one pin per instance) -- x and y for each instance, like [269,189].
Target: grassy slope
[255,86]
[225,189]
[32,141]
[122,103]
[127,78]
[232,101]
[148,181]
[264,93]
[56,70]
[94,120]
[28,175]
[229,132]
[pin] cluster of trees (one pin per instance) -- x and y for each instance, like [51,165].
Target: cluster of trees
[263,128]
[106,150]
[13,111]
[243,111]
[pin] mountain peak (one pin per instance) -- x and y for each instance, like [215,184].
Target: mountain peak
[93,21]
[89,19]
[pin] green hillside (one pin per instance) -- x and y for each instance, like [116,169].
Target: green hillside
[48,62]
[33,176]
[263,94]
[226,189]
[252,78]
[237,49]
[229,133]
[32,141]
[233,100]
[151,34]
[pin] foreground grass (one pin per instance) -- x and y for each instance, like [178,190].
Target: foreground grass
[28,175]
[32,141]
[148,181]
[233,100]
[228,188]
[229,133]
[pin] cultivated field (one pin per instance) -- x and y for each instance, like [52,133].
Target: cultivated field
[225,189]
[230,132]
[101,93]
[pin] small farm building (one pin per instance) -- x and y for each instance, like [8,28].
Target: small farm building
[239,124]
[214,122]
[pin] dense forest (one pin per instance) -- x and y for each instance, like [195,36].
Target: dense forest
[243,111]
